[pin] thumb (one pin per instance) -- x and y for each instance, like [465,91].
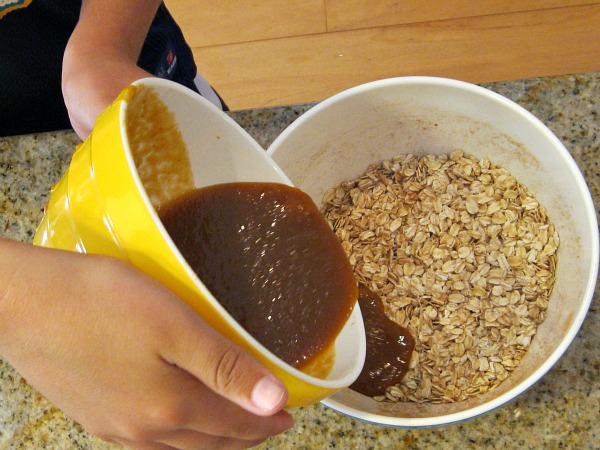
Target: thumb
[230,371]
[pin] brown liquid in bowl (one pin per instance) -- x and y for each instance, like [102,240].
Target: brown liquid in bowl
[269,257]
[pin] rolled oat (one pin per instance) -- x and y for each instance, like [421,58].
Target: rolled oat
[463,256]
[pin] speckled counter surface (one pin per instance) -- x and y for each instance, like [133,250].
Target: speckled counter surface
[561,411]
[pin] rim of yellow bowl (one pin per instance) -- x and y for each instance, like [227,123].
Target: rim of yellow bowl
[360,352]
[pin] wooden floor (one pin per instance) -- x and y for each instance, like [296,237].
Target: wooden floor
[275,52]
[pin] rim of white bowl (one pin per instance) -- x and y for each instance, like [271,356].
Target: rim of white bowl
[419,422]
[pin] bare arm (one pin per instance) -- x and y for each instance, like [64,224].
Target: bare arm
[101,56]
[124,357]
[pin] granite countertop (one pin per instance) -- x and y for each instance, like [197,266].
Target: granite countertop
[560,411]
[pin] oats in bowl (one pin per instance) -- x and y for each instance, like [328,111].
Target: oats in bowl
[340,137]
[462,255]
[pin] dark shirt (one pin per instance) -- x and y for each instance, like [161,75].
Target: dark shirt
[32,43]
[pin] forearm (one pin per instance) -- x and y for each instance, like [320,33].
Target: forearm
[29,293]
[114,27]
[8,278]
[101,56]
[18,266]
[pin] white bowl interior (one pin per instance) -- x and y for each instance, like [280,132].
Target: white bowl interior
[339,138]
[221,151]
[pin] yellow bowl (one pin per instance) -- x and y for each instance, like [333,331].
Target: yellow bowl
[100,206]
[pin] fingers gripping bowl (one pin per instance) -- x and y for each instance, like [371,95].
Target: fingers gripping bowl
[338,139]
[102,206]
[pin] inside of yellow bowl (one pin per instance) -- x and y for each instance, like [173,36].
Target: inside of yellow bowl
[159,152]
[177,142]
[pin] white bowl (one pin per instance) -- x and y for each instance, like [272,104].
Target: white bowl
[340,137]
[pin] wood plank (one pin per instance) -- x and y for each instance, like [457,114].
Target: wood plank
[209,22]
[482,49]
[356,14]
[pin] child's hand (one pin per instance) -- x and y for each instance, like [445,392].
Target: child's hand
[126,358]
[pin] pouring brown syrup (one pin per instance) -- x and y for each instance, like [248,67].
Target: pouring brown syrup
[389,347]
